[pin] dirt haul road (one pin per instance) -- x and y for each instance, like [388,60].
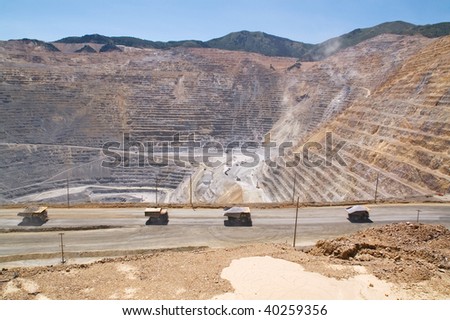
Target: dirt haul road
[103,232]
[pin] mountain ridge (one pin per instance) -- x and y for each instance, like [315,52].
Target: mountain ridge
[356,36]
[271,45]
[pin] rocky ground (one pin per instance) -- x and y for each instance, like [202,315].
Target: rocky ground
[413,258]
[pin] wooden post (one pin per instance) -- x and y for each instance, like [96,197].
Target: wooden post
[190,190]
[62,248]
[293,188]
[376,188]
[68,196]
[156,190]
[418,213]
[296,219]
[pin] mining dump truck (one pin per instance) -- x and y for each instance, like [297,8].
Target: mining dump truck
[33,216]
[358,214]
[157,216]
[238,217]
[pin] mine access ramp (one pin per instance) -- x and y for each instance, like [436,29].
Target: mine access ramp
[33,216]
[157,216]
[238,217]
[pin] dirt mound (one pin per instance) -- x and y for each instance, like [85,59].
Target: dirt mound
[401,252]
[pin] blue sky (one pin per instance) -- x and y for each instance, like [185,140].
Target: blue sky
[310,21]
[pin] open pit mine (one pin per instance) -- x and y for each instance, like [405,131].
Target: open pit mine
[209,126]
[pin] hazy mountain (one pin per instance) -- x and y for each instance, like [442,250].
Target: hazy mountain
[88,38]
[131,42]
[270,45]
[110,48]
[86,49]
[331,46]
[38,43]
[260,42]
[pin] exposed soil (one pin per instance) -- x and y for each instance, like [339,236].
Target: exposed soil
[414,258]
[401,252]
[412,255]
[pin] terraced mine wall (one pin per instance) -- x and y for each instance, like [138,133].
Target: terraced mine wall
[387,98]
[393,113]
[59,110]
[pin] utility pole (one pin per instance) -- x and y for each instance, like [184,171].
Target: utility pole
[376,187]
[68,197]
[156,189]
[418,213]
[296,219]
[190,190]
[293,188]
[62,248]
